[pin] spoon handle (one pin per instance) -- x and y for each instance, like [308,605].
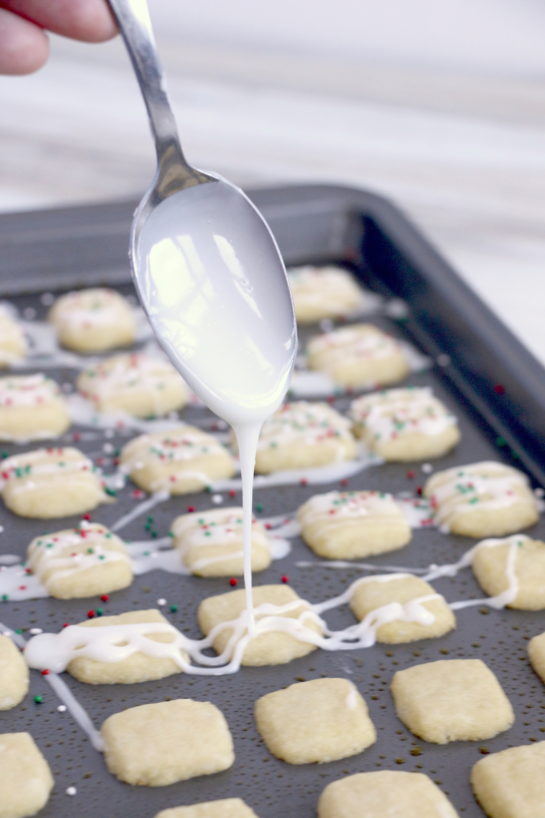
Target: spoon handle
[135,24]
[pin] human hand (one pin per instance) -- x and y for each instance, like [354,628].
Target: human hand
[24,44]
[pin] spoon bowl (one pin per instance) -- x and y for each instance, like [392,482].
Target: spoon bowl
[205,263]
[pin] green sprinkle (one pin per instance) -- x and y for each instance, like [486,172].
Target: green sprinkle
[173,609]
[99,611]
[259,507]
[18,630]
[4,597]
[171,534]
[111,492]
[501,441]
[38,699]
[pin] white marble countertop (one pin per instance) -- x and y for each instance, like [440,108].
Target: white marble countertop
[452,129]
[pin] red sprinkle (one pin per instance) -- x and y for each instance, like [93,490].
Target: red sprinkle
[190,509]
[66,624]
[232,493]
[90,614]
[233,582]
[419,490]
[268,526]
[137,494]
[86,517]
[303,481]
[44,672]
[410,475]
[343,482]
[284,578]
[499,389]
[105,597]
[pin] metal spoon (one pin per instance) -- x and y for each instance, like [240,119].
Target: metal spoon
[206,266]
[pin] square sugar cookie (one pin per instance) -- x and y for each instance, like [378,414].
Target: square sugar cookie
[158,744]
[384,794]
[451,700]
[93,320]
[304,435]
[324,292]
[140,384]
[404,424]
[509,784]
[486,499]
[12,340]
[514,568]
[48,483]
[352,524]
[78,562]
[31,408]
[359,356]
[179,461]
[25,778]
[536,653]
[211,542]
[317,721]
[401,607]
[13,674]
[274,605]
[136,646]
[225,808]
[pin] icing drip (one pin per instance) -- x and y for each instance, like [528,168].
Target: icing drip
[141,508]
[65,695]
[113,643]
[317,475]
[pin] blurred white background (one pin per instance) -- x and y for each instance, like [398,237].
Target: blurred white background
[439,104]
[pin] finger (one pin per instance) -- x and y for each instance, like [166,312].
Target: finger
[88,20]
[24,47]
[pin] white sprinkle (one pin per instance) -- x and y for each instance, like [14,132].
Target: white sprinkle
[161,601]
[71,790]
[1,528]
[47,299]
[217,498]
[108,448]
[396,308]
[29,312]
[34,631]
[426,468]
[109,433]
[443,360]
[61,708]
[67,388]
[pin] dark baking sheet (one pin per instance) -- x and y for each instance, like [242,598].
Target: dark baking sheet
[498,392]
